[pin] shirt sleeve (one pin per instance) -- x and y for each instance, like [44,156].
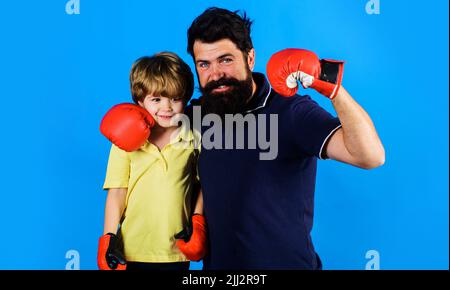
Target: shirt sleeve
[118,170]
[313,126]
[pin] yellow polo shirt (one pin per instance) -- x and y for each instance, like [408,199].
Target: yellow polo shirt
[158,198]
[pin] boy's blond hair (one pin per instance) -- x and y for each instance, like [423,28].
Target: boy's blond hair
[163,74]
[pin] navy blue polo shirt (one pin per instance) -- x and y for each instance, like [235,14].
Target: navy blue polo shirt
[259,213]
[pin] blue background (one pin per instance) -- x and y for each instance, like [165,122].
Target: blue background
[60,73]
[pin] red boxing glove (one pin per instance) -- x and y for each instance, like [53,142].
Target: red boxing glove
[127,126]
[110,253]
[288,66]
[193,239]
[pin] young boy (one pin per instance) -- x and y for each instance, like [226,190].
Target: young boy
[151,185]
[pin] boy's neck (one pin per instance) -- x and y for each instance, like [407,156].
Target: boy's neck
[161,134]
[158,130]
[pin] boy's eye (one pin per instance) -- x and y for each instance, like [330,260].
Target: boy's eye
[177,99]
[155,99]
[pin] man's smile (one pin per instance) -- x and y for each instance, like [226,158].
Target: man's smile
[221,89]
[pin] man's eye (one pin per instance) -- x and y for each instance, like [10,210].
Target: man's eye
[203,65]
[227,60]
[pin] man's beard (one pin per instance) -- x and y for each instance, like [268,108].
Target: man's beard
[232,101]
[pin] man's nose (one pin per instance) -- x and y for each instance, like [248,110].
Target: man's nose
[216,73]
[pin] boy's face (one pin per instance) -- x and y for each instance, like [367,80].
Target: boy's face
[163,109]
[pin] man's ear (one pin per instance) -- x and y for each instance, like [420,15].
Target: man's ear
[251,59]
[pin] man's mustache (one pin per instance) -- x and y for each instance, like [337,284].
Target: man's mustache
[209,87]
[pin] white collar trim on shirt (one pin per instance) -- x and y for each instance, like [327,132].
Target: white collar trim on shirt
[264,104]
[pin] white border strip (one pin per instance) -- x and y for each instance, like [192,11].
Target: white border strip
[325,141]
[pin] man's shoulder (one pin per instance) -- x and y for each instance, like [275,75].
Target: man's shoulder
[192,103]
[188,110]
[298,99]
[195,102]
[295,102]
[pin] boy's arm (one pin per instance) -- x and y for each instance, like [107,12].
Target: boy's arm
[192,239]
[115,205]
[199,203]
[110,248]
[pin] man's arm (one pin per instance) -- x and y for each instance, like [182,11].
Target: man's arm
[356,142]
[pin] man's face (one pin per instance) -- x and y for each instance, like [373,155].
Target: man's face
[224,75]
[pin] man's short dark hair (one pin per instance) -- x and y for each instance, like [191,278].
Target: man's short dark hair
[216,24]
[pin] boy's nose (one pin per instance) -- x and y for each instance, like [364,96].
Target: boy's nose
[166,105]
